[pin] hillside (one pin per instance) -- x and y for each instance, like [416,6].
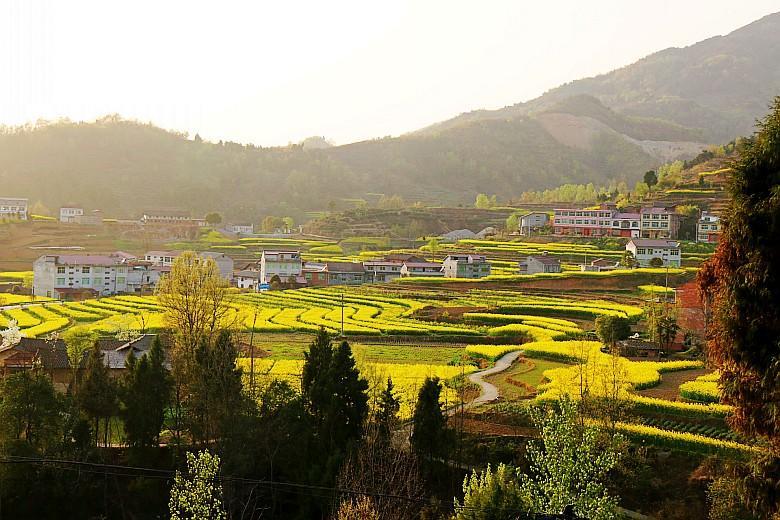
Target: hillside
[716,88]
[666,106]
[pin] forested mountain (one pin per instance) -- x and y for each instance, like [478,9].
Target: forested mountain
[615,126]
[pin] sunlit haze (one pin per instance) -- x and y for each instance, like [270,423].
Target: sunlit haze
[276,72]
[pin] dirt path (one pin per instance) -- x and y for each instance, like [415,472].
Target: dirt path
[489,392]
[670,384]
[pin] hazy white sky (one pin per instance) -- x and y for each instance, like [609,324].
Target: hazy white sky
[271,72]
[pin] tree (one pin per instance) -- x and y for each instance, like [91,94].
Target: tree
[430,435]
[334,392]
[216,402]
[30,410]
[666,331]
[11,336]
[96,393]
[611,329]
[569,465]
[512,223]
[628,260]
[433,247]
[213,218]
[387,414]
[197,495]
[358,508]
[650,179]
[484,202]
[289,222]
[78,340]
[145,393]
[271,224]
[491,496]
[656,262]
[193,300]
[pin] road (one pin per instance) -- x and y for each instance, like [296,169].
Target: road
[489,392]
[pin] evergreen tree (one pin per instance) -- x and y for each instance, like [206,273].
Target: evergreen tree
[387,414]
[96,393]
[430,435]
[30,410]
[145,393]
[334,392]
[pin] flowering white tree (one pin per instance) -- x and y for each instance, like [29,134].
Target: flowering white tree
[197,495]
[11,336]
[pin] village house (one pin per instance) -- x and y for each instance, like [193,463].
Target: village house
[52,357]
[247,279]
[532,221]
[466,266]
[421,269]
[388,268]
[606,220]
[285,265]
[69,215]
[708,228]
[241,229]
[80,275]
[335,273]
[646,250]
[166,217]
[166,259]
[13,207]
[544,263]
[600,264]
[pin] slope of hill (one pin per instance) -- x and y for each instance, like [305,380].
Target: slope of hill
[717,87]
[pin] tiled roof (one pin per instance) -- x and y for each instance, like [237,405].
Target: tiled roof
[648,242]
[344,267]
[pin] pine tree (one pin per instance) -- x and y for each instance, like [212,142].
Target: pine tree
[430,435]
[387,414]
[96,393]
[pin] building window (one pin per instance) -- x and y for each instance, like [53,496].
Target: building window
[85,270]
[96,281]
[85,281]
[120,280]
[60,281]
[61,269]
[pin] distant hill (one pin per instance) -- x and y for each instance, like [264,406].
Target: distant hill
[717,88]
[666,106]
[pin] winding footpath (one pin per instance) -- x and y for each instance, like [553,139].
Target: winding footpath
[489,392]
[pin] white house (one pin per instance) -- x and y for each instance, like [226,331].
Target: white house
[421,269]
[13,207]
[84,275]
[241,229]
[645,250]
[247,279]
[532,221]
[708,228]
[284,264]
[544,263]
[70,215]
[166,259]
[465,266]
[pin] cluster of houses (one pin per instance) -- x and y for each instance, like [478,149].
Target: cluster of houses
[14,208]
[79,276]
[288,267]
[607,221]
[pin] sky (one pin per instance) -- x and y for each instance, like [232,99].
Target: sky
[271,72]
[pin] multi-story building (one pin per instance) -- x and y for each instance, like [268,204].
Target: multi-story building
[606,220]
[247,279]
[708,228]
[13,207]
[659,223]
[70,215]
[646,250]
[544,263]
[167,217]
[466,266]
[74,276]
[283,264]
[166,259]
[532,221]
[421,269]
